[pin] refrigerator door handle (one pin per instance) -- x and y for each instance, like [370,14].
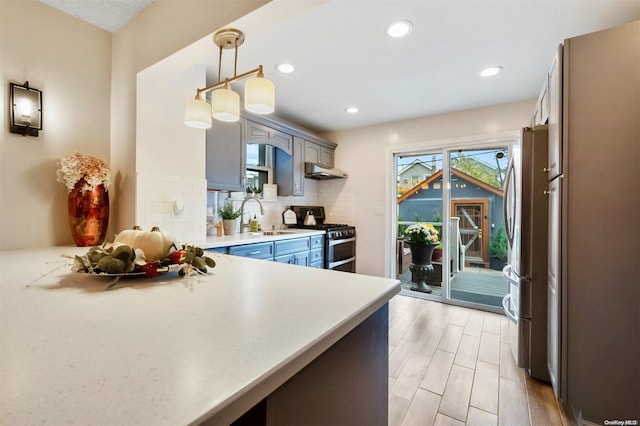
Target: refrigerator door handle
[507,188]
[506,302]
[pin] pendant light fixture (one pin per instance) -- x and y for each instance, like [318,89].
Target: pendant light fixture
[259,93]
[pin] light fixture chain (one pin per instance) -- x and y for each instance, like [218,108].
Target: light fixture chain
[235,61]
[220,65]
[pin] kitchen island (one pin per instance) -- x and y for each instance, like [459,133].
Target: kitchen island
[275,342]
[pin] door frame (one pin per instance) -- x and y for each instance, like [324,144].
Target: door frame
[390,218]
[485,224]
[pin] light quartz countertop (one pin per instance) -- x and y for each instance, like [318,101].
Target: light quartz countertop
[164,351]
[255,237]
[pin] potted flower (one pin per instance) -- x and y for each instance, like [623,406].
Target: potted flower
[229,215]
[421,233]
[87,179]
[422,239]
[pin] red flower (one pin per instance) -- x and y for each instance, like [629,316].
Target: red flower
[176,256]
[150,269]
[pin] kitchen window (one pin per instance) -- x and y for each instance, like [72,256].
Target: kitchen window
[260,164]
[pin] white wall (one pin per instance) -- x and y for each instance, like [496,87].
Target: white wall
[362,154]
[70,61]
[161,30]
[88,77]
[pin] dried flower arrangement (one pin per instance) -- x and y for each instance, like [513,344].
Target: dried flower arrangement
[79,166]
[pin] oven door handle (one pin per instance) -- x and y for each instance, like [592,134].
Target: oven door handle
[341,262]
[336,242]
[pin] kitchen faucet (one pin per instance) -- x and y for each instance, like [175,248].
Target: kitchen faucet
[247,198]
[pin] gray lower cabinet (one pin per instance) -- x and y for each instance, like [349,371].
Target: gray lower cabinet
[223,250]
[294,251]
[305,251]
[226,155]
[262,251]
[316,258]
[316,255]
[301,258]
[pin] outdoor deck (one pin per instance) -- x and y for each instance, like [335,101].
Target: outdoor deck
[475,285]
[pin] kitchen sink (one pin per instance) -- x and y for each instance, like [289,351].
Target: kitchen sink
[275,232]
[272,232]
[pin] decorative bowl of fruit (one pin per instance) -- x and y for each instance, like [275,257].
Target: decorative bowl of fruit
[137,253]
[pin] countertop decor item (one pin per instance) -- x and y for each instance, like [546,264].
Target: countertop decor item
[156,244]
[120,260]
[229,216]
[87,179]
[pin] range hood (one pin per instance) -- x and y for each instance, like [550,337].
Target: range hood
[314,171]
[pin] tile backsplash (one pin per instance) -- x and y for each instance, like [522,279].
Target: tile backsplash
[273,209]
[156,197]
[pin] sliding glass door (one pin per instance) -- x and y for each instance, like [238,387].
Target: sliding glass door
[459,193]
[419,200]
[475,192]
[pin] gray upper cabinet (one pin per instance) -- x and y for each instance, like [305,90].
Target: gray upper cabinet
[289,170]
[319,154]
[226,155]
[555,117]
[227,152]
[258,133]
[541,114]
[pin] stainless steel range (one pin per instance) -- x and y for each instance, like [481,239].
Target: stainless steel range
[339,242]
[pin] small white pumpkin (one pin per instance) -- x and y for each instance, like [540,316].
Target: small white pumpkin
[155,244]
[128,236]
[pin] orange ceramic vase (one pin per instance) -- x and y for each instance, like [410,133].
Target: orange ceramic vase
[88,214]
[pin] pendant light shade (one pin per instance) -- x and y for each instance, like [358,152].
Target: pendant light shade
[225,105]
[259,95]
[197,113]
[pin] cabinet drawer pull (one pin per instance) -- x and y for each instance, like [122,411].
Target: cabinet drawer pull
[546,169]
[254,252]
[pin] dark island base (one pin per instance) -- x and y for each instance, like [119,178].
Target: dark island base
[347,384]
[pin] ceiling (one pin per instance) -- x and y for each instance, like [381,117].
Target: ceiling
[109,15]
[343,56]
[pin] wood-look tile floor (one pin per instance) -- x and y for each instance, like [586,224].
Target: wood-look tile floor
[450,365]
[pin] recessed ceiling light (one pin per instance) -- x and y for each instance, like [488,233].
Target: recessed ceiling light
[351,109]
[488,72]
[399,28]
[286,68]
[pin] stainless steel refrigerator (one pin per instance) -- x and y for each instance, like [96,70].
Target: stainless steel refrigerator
[526,222]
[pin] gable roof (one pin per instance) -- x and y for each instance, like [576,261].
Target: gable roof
[414,163]
[437,175]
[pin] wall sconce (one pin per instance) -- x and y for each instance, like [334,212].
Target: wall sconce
[26,109]
[259,93]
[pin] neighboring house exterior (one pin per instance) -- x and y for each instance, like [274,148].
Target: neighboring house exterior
[413,174]
[476,203]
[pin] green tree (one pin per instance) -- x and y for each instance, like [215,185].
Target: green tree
[498,246]
[479,170]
